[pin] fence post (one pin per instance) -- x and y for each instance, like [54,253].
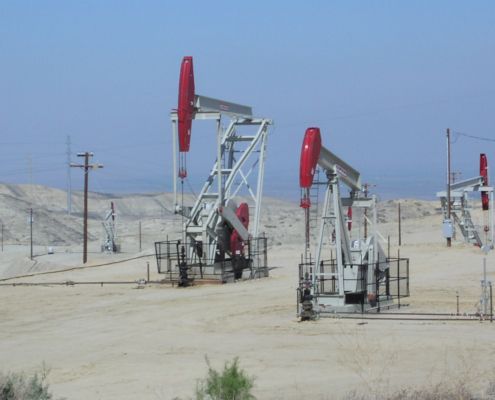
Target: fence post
[398,282]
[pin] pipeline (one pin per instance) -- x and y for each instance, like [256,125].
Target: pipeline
[143,282]
[75,268]
[404,313]
[72,283]
[473,318]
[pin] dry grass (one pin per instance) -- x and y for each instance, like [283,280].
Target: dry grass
[462,376]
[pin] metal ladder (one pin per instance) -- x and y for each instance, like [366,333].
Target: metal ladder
[313,215]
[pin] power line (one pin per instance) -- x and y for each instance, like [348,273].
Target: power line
[30,143]
[473,137]
[132,146]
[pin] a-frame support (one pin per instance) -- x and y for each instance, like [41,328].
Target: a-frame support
[209,223]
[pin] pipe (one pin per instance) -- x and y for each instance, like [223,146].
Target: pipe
[72,283]
[74,268]
[491,303]
[409,319]
[457,303]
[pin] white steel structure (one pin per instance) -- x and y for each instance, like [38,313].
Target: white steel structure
[350,275]
[110,232]
[209,223]
[354,276]
[461,207]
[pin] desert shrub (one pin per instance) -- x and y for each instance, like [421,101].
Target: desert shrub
[230,384]
[18,387]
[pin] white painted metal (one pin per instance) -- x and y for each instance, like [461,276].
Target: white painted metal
[110,231]
[461,190]
[174,145]
[330,162]
[203,103]
[207,222]
[350,256]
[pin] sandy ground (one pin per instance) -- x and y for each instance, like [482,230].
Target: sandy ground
[127,342]
[130,341]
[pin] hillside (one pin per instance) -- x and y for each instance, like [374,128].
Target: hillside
[281,221]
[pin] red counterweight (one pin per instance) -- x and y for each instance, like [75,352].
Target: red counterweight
[236,241]
[243,214]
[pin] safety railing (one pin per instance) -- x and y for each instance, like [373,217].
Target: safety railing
[391,281]
[250,254]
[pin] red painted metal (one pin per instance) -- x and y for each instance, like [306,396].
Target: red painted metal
[349,214]
[484,173]
[305,200]
[236,241]
[113,212]
[186,103]
[309,157]
[243,214]
[236,244]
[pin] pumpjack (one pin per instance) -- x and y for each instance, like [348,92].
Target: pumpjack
[358,276]
[219,238]
[457,211]
[110,232]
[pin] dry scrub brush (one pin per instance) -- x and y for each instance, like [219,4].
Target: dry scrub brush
[369,357]
[463,375]
[18,387]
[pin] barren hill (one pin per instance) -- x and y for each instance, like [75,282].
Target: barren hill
[282,221]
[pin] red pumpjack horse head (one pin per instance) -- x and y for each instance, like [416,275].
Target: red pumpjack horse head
[185,111]
[310,153]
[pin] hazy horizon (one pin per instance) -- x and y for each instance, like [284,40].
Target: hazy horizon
[382,80]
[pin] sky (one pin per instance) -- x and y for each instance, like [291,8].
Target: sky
[383,80]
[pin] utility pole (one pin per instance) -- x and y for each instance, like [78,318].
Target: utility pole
[86,167]
[68,177]
[449,240]
[366,186]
